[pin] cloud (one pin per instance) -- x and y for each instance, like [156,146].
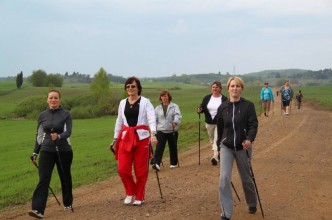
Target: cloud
[180,27]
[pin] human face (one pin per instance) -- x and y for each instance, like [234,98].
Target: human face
[234,90]
[266,85]
[132,89]
[53,100]
[164,99]
[216,90]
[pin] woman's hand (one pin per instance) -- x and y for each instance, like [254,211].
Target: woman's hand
[246,144]
[153,140]
[54,136]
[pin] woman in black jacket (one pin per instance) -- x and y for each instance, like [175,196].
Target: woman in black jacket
[209,107]
[237,128]
[52,144]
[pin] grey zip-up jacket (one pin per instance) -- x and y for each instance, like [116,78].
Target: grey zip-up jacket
[173,115]
[58,120]
[236,122]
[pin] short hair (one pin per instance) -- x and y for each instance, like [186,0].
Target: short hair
[130,80]
[54,90]
[236,79]
[218,83]
[165,92]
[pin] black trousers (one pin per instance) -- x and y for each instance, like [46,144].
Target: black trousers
[46,162]
[172,140]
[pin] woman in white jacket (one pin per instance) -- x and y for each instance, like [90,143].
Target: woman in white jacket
[168,118]
[135,127]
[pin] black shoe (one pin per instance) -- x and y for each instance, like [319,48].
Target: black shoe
[36,214]
[214,161]
[252,210]
[152,161]
[224,218]
[156,167]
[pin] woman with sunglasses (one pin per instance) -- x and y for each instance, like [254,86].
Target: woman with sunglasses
[266,97]
[135,128]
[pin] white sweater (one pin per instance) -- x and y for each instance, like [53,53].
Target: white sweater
[146,116]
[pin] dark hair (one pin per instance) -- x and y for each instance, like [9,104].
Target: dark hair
[165,92]
[217,83]
[54,90]
[130,80]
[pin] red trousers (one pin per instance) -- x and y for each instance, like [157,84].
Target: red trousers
[139,157]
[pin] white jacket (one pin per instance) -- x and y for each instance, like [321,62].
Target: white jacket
[173,115]
[146,116]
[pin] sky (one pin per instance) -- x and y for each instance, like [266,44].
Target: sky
[155,38]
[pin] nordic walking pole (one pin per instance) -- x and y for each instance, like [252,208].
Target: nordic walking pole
[235,191]
[199,139]
[176,147]
[161,194]
[253,178]
[61,167]
[49,187]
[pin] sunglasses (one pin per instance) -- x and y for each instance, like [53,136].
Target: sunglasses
[130,86]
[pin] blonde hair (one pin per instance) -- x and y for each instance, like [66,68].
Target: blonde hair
[237,79]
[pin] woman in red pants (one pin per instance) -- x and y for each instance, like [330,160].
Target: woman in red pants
[135,127]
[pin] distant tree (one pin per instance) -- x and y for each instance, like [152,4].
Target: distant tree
[19,80]
[54,80]
[100,84]
[38,78]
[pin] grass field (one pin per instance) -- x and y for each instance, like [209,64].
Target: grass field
[91,137]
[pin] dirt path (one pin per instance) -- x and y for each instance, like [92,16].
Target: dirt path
[292,164]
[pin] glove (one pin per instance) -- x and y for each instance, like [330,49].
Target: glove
[112,146]
[33,157]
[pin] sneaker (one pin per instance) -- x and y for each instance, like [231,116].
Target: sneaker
[128,200]
[173,166]
[66,208]
[252,210]
[138,203]
[36,214]
[214,161]
[224,218]
[156,167]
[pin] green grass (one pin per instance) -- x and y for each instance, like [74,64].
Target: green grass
[317,95]
[91,137]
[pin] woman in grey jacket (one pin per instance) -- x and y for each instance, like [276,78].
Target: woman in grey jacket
[168,117]
[237,128]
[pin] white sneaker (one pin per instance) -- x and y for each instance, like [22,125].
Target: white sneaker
[156,167]
[36,214]
[128,200]
[66,208]
[138,202]
[173,166]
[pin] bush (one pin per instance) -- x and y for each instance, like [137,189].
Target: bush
[30,107]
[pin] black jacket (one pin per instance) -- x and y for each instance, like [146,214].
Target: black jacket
[205,102]
[236,122]
[60,121]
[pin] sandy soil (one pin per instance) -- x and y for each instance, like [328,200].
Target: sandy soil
[292,165]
